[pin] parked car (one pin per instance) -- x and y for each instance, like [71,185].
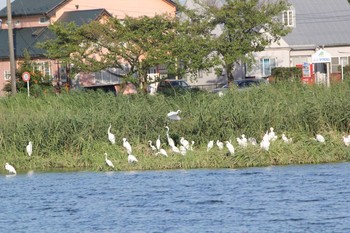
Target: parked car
[169,86]
[240,84]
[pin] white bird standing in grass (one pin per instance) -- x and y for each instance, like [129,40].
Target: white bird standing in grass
[170,140]
[108,162]
[10,168]
[272,135]
[162,152]
[285,139]
[346,140]
[320,138]
[132,159]
[230,147]
[29,148]
[174,115]
[220,144]
[191,147]
[265,144]
[111,136]
[266,136]
[175,149]
[158,143]
[210,145]
[183,150]
[127,146]
[185,143]
[152,147]
[242,141]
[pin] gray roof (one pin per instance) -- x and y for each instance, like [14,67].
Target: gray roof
[31,7]
[24,39]
[320,22]
[82,17]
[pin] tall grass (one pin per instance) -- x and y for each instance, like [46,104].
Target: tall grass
[70,130]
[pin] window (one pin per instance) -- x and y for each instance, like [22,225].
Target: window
[299,60]
[43,67]
[266,66]
[288,18]
[337,62]
[44,20]
[7,75]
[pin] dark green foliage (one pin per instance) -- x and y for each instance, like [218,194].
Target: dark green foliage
[286,73]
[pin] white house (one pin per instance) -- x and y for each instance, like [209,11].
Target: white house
[315,24]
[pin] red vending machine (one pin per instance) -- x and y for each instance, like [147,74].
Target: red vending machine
[307,73]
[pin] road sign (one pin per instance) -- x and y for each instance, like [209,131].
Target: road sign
[26,76]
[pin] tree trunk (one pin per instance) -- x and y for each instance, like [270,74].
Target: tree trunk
[229,74]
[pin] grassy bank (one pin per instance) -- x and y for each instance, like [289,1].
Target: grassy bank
[70,130]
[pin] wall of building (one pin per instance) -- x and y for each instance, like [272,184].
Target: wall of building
[4,66]
[120,8]
[25,22]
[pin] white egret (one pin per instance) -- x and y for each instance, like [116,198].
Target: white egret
[111,136]
[265,144]
[29,148]
[210,145]
[175,149]
[285,139]
[158,143]
[170,140]
[183,150]
[127,146]
[185,143]
[220,144]
[162,152]
[108,162]
[191,147]
[230,147]
[346,140]
[320,138]
[10,168]
[152,147]
[272,135]
[132,159]
[242,141]
[266,136]
[174,115]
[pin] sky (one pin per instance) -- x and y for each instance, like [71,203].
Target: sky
[2,4]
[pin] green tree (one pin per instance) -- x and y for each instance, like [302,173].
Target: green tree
[247,26]
[142,43]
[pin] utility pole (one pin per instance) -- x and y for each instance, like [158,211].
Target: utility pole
[11,49]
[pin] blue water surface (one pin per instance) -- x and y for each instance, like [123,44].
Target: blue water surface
[308,198]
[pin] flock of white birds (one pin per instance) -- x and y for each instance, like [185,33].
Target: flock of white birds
[182,149]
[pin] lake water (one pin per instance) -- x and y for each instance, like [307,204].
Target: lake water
[309,198]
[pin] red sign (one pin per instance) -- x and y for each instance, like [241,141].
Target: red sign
[26,76]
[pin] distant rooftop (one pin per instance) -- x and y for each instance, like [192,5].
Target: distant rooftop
[31,7]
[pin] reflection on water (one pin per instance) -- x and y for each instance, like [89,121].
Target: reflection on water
[311,198]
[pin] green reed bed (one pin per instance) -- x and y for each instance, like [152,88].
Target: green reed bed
[70,130]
